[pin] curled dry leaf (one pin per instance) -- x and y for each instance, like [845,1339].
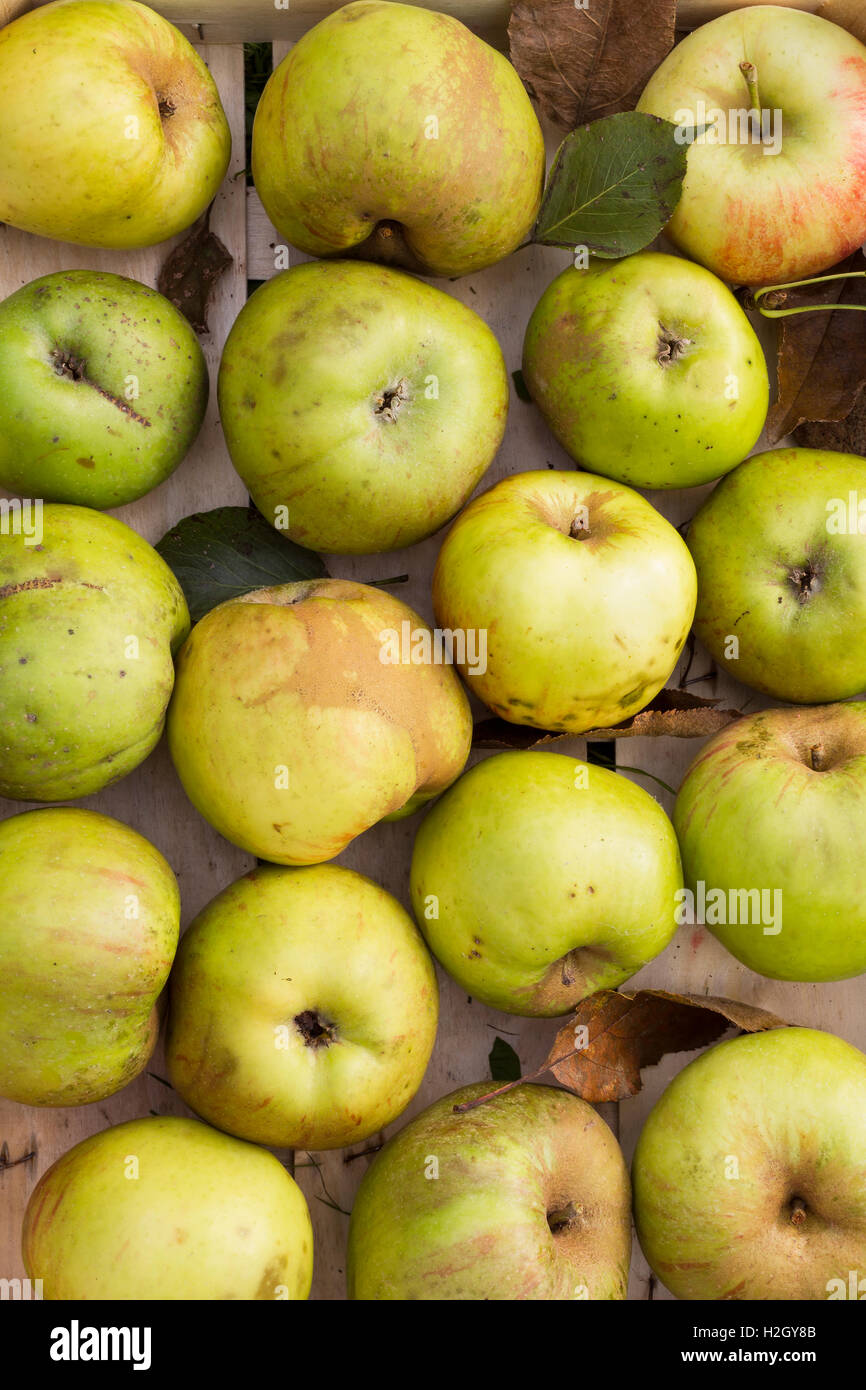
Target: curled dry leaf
[822,355]
[674,713]
[625,1032]
[191,270]
[589,61]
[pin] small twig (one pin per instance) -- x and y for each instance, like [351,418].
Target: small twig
[510,1085]
[7,1162]
[362,1153]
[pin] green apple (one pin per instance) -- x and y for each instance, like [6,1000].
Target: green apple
[360,405]
[166,1208]
[786,200]
[104,389]
[297,722]
[89,619]
[771,820]
[584,591]
[524,1197]
[113,132]
[518,882]
[392,126]
[647,371]
[303,1009]
[748,1174]
[780,553]
[89,920]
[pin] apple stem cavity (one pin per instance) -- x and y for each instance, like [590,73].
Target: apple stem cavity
[564,1218]
[388,404]
[314,1030]
[671,347]
[167,107]
[579,529]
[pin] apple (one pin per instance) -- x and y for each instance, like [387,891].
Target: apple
[647,370]
[303,1009]
[300,718]
[519,887]
[392,130]
[748,1174]
[104,388]
[113,132]
[89,619]
[360,405]
[166,1208]
[89,920]
[771,820]
[780,551]
[584,592]
[783,196]
[525,1197]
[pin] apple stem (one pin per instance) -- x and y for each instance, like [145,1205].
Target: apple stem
[776,296]
[798,1212]
[750,73]
[816,757]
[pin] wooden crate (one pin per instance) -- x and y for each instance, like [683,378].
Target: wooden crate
[151,799]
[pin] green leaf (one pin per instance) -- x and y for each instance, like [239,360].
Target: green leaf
[613,185]
[504,1062]
[222,554]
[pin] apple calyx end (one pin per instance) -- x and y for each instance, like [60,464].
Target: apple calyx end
[68,365]
[314,1029]
[387,405]
[166,106]
[671,346]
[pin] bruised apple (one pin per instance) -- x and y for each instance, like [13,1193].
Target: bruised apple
[300,719]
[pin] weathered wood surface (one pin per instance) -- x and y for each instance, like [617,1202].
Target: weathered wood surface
[152,801]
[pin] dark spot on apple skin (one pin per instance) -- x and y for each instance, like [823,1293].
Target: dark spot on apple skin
[85,463]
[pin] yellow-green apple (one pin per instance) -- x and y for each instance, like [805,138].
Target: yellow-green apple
[300,717]
[585,593]
[104,388]
[113,131]
[525,1196]
[775,188]
[780,551]
[360,405]
[89,919]
[771,820]
[303,1008]
[647,370]
[748,1174]
[393,130]
[89,618]
[167,1208]
[518,885]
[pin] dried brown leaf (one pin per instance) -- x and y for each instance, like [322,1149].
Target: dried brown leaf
[821,356]
[191,270]
[674,713]
[630,1031]
[848,435]
[583,63]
